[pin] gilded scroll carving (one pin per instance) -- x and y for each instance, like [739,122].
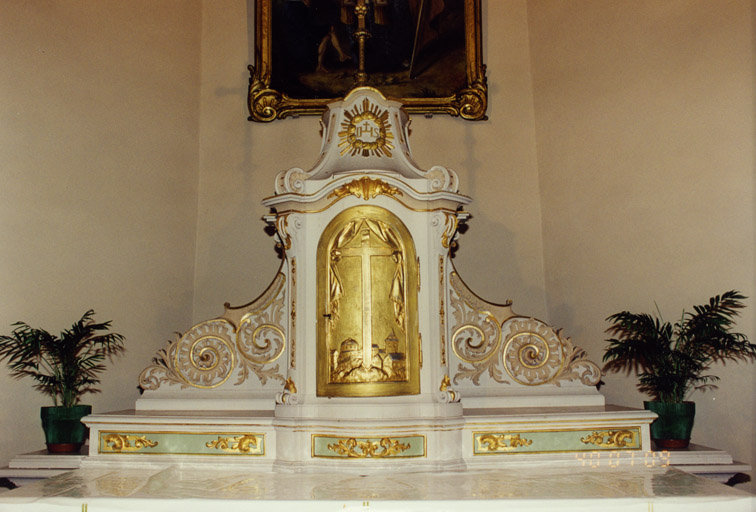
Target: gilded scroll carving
[512,349]
[359,449]
[611,439]
[161,370]
[289,394]
[446,394]
[471,103]
[365,188]
[533,352]
[446,223]
[291,180]
[579,367]
[123,443]
[442,179]
[501,442]
[475,339]
[266,104]
[247,443]
[207,355]
[204,357]
[260,338]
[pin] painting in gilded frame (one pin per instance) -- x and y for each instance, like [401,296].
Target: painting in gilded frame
[424,53]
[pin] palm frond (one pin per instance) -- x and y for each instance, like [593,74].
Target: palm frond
[670,360]
[66,366]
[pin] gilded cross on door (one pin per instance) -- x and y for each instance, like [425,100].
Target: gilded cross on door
[365,251]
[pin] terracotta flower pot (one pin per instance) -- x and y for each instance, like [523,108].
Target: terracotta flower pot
[671,430]
[64,431]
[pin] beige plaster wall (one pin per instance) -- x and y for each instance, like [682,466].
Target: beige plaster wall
[500,256]
[99,118]
[645,130]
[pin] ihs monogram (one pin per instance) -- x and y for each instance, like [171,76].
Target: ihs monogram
[366,132]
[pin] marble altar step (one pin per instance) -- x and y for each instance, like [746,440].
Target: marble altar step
[537,488]
[696,459]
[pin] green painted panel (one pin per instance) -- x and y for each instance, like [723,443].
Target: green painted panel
[182,443]
[368,447]
[498,442]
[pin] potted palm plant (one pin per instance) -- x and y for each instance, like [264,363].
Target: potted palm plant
[673,360]
[64,367]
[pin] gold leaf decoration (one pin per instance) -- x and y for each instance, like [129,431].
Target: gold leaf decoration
[123,443]
[611,438]
[366,132]
[365,188]
[353,448]
[502,442]
[238,444]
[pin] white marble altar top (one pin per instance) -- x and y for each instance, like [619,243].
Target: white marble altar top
[533,488]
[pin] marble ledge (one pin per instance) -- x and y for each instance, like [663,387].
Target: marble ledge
[536,488]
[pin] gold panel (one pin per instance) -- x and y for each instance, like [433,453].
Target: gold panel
[367,306]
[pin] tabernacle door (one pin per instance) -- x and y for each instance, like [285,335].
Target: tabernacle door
[367,306]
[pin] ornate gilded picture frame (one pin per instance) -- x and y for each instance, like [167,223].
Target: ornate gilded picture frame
[424,53]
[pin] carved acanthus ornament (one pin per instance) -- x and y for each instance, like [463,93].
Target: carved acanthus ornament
[365,188]
[353,448]
[207,355]
[123,443]
[268,104]
[501,442]
[246,443]
[511,349]
[611,439]
[471,103]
